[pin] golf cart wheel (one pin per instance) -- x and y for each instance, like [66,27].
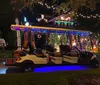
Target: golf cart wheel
[94,63]
[27,67]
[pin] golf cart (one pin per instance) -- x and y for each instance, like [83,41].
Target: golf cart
[75,56]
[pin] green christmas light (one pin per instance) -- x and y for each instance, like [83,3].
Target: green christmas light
[72,23]
[58,22]
[65,22]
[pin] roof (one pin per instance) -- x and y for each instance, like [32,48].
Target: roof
[21,27]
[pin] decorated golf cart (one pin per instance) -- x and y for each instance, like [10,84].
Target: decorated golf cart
[42,45]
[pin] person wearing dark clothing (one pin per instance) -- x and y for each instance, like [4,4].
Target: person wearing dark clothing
[29,42]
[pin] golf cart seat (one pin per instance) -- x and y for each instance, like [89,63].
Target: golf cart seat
[39,53]
[64,49]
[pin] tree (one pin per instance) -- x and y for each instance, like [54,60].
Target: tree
[6,12]
[64,5]
[6,16]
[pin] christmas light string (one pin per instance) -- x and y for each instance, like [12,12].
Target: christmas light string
[73,13]
[88,17]
[49,7]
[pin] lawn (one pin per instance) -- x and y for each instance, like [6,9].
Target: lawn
[6,54]
[88,77]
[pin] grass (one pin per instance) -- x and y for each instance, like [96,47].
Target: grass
[88,77]
[6,54]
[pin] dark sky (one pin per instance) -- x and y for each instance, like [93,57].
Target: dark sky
[6,12]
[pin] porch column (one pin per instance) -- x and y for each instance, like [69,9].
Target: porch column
[18,34]
[33,40]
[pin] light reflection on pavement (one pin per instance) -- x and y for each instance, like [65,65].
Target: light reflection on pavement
[7,69]
[3,68]
[60,68]
[13,69]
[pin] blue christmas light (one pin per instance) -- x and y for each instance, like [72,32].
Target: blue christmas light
[17,28]
[25,29]
[59,68]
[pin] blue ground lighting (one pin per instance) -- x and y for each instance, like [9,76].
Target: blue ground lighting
[59,68]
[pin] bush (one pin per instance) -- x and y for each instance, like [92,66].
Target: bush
[6,54]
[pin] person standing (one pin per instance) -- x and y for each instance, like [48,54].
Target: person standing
[29,42]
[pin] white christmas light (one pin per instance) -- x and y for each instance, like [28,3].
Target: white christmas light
[27,24]
[48,7]
[46,4]
[84,16]
[41,3]
[77,15]
[25,20]
[52,6]
[62,18]
[88,16]
[94,16]
[91,15]
[74,44]
[66,18]
[42,16]
[72,12]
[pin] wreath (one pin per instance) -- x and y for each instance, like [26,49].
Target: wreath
[39,36]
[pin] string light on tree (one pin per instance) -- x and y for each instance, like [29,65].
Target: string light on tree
[62,18]
[94,17]
[49,7]
[88,17]
[91,15]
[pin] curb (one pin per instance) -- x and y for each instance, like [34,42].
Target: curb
[8,61]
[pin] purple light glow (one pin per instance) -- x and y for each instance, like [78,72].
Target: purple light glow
[59,68]
[17,28]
